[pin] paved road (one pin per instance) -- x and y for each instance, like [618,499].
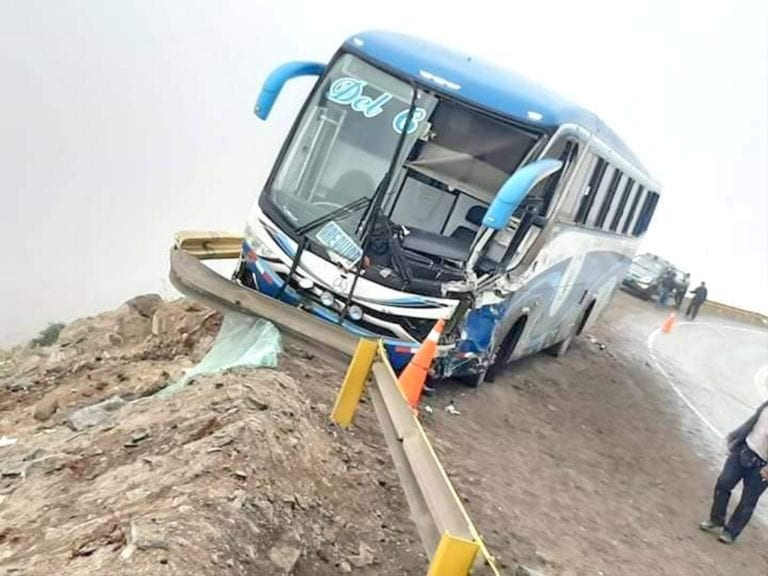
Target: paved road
[719,368]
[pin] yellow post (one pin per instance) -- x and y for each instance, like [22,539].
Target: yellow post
[454,556]
[354,382]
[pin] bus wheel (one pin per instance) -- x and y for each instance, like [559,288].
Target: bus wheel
[484,374]
[506,349]
[561,348]
[244,276]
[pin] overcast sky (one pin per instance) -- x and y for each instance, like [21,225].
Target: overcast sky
[122,122]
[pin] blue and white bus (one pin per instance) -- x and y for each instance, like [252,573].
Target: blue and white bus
[418,183]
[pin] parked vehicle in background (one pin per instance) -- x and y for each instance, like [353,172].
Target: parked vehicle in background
[418,184]
[643,278]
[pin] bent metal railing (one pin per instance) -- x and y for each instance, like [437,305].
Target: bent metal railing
[448,535]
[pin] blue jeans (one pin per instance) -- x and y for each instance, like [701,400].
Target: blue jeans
[663,297]
[754,486]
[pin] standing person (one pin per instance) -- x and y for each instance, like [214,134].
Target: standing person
[699,296]
[681,289]
[748,447]
[667,284]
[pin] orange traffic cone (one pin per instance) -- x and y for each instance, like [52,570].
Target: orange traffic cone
[669,323]
[414,376]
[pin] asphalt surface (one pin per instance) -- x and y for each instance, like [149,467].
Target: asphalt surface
[717,368]
[720,367]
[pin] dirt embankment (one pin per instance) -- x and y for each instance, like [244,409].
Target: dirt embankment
[239,473]
[580,466]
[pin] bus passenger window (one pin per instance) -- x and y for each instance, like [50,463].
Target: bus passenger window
[594,186]
[576,189]
[547,191]
[649,207]
[622,205]
[630,219]
[604,198]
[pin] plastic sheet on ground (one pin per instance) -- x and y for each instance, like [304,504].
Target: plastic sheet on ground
[241,341]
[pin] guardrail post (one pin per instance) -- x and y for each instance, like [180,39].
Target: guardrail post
[354,382]
[454,556]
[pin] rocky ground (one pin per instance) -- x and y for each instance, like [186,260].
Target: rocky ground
[238,473]
[578,466]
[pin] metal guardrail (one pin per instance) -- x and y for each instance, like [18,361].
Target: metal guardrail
[447,533]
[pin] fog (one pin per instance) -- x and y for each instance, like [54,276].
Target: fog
[121,123]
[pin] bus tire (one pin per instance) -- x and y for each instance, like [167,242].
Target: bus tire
[481,376]
[560,349]
[506,349]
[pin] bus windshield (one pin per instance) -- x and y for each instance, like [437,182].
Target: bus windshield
[344,144]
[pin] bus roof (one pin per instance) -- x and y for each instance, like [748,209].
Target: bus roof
[483,84]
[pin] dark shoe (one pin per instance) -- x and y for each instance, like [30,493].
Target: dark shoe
[726,538]
[710,527]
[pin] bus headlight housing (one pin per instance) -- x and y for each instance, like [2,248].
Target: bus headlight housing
[327,299]
[355,312]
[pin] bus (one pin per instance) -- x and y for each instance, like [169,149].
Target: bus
[419,184]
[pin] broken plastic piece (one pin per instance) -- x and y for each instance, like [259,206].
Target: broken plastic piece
[241,341]
[451,409]
[5,441]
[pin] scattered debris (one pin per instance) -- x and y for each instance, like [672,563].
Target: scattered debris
[240,475]
[6,441]
[525,571]
[140,435]
[451,409]
[596,342]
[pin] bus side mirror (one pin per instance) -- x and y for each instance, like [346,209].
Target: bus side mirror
[277,79]
[515,189]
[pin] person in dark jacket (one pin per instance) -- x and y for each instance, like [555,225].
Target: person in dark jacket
[699,296]
[681,289]
[747,463]
[666,286]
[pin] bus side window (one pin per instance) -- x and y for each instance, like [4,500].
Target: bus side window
[547,190]
[576,189]
[622,205]
[649,207]
[634,209]
[605,201]
[588,199]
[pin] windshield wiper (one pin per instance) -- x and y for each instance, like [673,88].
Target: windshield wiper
[348,208]
[302,231]
[371,216]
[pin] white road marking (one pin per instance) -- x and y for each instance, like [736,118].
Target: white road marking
[761,376]
[727,326]
[668,379]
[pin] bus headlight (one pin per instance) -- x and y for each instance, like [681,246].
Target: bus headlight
[355,312]
[327,299]
[257,244]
